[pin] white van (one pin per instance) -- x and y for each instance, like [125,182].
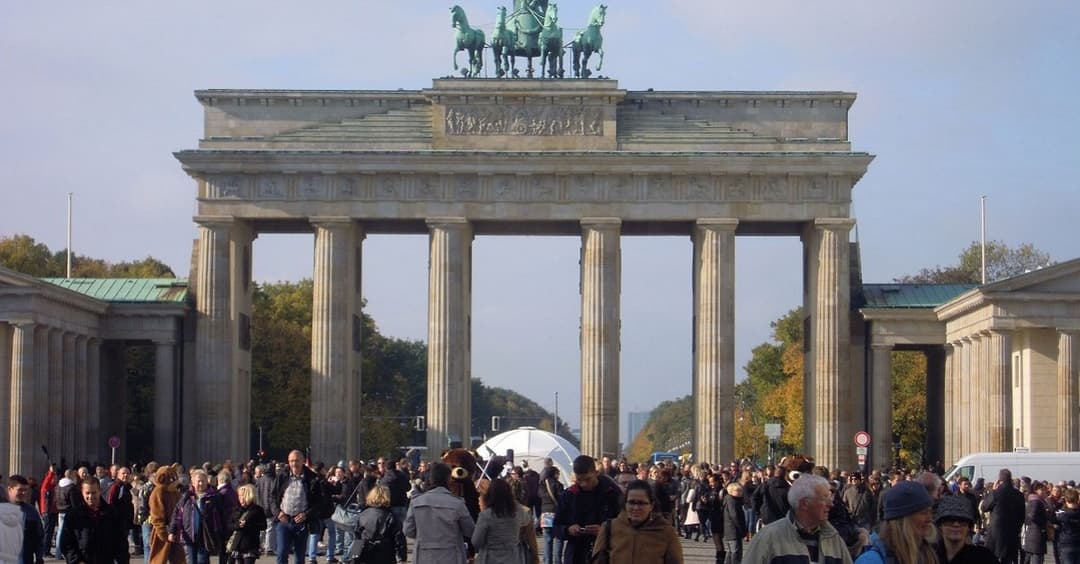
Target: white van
[1043,466]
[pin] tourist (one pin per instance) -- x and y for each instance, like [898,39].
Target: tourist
[860,502]
[1068,536]
[379,537]
[439,521]
[711,508]
[264,491]
[956,521]
[66,493]
[246,522]
[33,530]
[805,533]
[199,522]
[296,496]
[1037,519]
[907,534]
[1006,506]
[591,500]
[504,528]
[550,491]
[163,501]
[47,504]
[121,499]
[638,535]
[734,524]
[93,533]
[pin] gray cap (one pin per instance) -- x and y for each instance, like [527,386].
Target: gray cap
[954,507]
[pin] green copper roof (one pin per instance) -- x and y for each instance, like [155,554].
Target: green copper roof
[127,290]
[911,295]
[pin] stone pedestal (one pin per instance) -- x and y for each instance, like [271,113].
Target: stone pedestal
[449,397]
[881,406]
[601,269]
[1068,366]
[999,392]
[827,369]
[164,401]
[714,340]
[335,340]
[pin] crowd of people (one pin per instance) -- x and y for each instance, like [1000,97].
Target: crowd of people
[611,512]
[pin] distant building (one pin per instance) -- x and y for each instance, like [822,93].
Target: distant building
[636,424]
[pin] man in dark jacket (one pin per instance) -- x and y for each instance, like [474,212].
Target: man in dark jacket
[396,479]
[33,547]
[264,492]
[770,499]
[93,531]
[119,498]
[297,498]
[1005,504]
[583,507]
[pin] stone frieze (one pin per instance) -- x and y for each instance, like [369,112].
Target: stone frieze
[524,120]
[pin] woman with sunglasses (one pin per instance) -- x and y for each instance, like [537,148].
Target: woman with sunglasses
[638,535]
[956,521]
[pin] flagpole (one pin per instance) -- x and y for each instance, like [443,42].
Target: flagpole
[69,236]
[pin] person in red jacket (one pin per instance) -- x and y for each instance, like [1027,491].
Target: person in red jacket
[47,504]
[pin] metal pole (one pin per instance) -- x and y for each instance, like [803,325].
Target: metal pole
[556,422]
[260,438]
[982,223]
[69,236]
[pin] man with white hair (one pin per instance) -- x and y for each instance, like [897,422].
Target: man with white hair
[805,535]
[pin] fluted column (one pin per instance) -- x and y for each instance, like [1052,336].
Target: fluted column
[213,349]
[830,342]
[21,451]
[8,357]
[56,395]
[601,268]
[335,340]
[999,390]
[881,405]
[714,340]
[93,377]
[950,414]
[965,382]
[449,382]
[164,401]
[1068,364]
[69,386]
[241,237]
[82,399]
[980,401]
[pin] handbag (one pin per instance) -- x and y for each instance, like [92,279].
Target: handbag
[346,516]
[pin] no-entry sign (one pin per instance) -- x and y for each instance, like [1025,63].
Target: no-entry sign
[862,439]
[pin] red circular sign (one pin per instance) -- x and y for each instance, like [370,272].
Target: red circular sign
[114,442]
[862,439]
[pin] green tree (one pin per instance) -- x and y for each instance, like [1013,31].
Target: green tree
[148,267]
[23,254]
[909,405]
[1002,261]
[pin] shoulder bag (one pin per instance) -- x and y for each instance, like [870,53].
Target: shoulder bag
[347,514]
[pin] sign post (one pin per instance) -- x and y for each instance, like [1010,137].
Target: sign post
[862,441]
[114,443]
[773,432]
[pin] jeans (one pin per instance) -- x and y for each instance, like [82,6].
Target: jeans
[196,555]
[313,539]
[751,519]
[552,547]
[291,539]
[1070,556]
[59,530]
[1031,558]
[146,529]
[268,537]
[345,539]
[49,522]
[733,550]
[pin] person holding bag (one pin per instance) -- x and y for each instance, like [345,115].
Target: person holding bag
[246,522]
[378,533]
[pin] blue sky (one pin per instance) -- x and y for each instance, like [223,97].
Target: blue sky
[956,99]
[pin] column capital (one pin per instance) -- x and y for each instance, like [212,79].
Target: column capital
[602,222]
[214,222]
[999,332]
[332,222]
[1070,332]
[447,222]
[834,223]
[881,346]
[22,323]
[717,223]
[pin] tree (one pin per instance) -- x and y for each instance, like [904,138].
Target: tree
[23,254]
[1002,261]
[909,405]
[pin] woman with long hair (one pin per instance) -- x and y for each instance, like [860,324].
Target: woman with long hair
[638,535]
[907,534]
[378,535]
[503,528]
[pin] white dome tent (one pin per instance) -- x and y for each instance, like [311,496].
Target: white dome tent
[533,445]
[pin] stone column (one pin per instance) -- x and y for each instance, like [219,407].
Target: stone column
[881,406]
[56,393]
[1068,364]
[335,340]
[41,396]
[601,270]
[82,399]
[830,339]
[999,391]
[213,372]
[70,392]
[8,356]
[980,402]
[164,401]
[94,439]
[241,237]
[949,414]
[964,379]
[21,417]
[449,382]
[714,339]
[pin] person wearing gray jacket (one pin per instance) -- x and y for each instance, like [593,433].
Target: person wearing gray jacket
[439,521]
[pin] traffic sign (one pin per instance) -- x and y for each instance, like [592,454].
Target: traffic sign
[862,439]
[114,442]
[861,451]
[862,459]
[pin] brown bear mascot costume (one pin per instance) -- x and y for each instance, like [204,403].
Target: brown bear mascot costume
[462,466]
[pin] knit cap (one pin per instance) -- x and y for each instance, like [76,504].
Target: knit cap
[954,507]
[904,499]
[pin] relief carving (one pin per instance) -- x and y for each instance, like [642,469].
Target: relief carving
[311,188]
[429,188]
[700,188]
[544,189]
[817,188]
[582,188]
[229,187]
[524,120]
[271,187]
[622,188]
[503,188]
[773,189]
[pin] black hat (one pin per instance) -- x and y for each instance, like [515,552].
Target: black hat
[954,507]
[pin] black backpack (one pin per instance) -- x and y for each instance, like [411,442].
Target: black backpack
[378,543]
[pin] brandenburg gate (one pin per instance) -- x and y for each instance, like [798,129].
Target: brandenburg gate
[470,157]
